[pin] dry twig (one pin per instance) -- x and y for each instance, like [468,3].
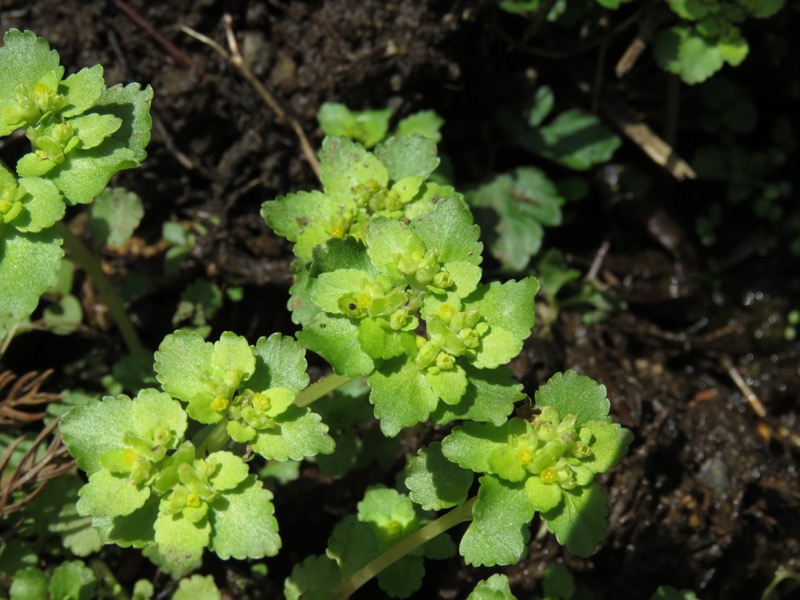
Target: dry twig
[35,468]
[234,57]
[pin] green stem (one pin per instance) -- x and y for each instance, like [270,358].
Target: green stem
[321,388]
[211,438]
[458,515]
[81,256]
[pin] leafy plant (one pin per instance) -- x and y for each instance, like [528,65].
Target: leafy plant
[389,288]
[81,133]
[709,37]
[368,127]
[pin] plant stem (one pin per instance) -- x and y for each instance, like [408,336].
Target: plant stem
[81,255]
[213,439]
[321,388]
[458,515]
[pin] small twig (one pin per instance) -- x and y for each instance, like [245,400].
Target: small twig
[176,53]
[747,391]
[235,58]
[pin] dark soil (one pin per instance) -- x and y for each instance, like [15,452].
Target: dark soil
[708,497]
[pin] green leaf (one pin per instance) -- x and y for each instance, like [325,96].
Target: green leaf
[314,573]
[243,523]
[573,394]
[449,385]
[25,60]
[86,172]
[490,396]
[95,428]
[298,433]
[352,544]
[692,10]
[347,253]
[541,105]
[494,588]
[345,164]
[228,470]
[181,542]
[499,532]
[335,338]
[449,228]
[575,139]
[92,128]
[43,205]
[497,348]
[580,523]
[197,587]
[408,156]
[733,51]
[684,52]
[367,126]
[609,444]
[402,578]
[558,582]
[73,580]
[28,265]
[472,444]
[114,215]
[401,395]
[108,495]
[508,305]
[83,89]
[135,529]
[305,217]
[520,204]
[388,240]
[280,362]
[29,584]
[329,287]
[182,364]
[425,123]
[763,9]
[543,496]
[434,482]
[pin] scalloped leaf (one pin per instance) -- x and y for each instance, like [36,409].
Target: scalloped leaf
[335,338]
[499,531]
[83,89]
[181,542]
[494,588]
[367,127]
[316,572]
[43,205]
[408,156]
[522,203]
[304,217]
[609,444]
[108,495]
[86,172]
[94,428]
[580,523]
[114,215]
[345,164]
[450,229]
[197,586]
[425,123]
[243,523]
[298,433]
[686,53]
[571,393]
[470,445]
[434,482]
[28,266]
[490,397]
[401,395]
[280,362]
[24,60]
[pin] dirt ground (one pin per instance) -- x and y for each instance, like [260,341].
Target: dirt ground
[707,498]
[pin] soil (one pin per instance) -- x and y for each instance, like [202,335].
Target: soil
[707,498]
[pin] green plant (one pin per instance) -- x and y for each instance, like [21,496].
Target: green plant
[81,133]
[389,288]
